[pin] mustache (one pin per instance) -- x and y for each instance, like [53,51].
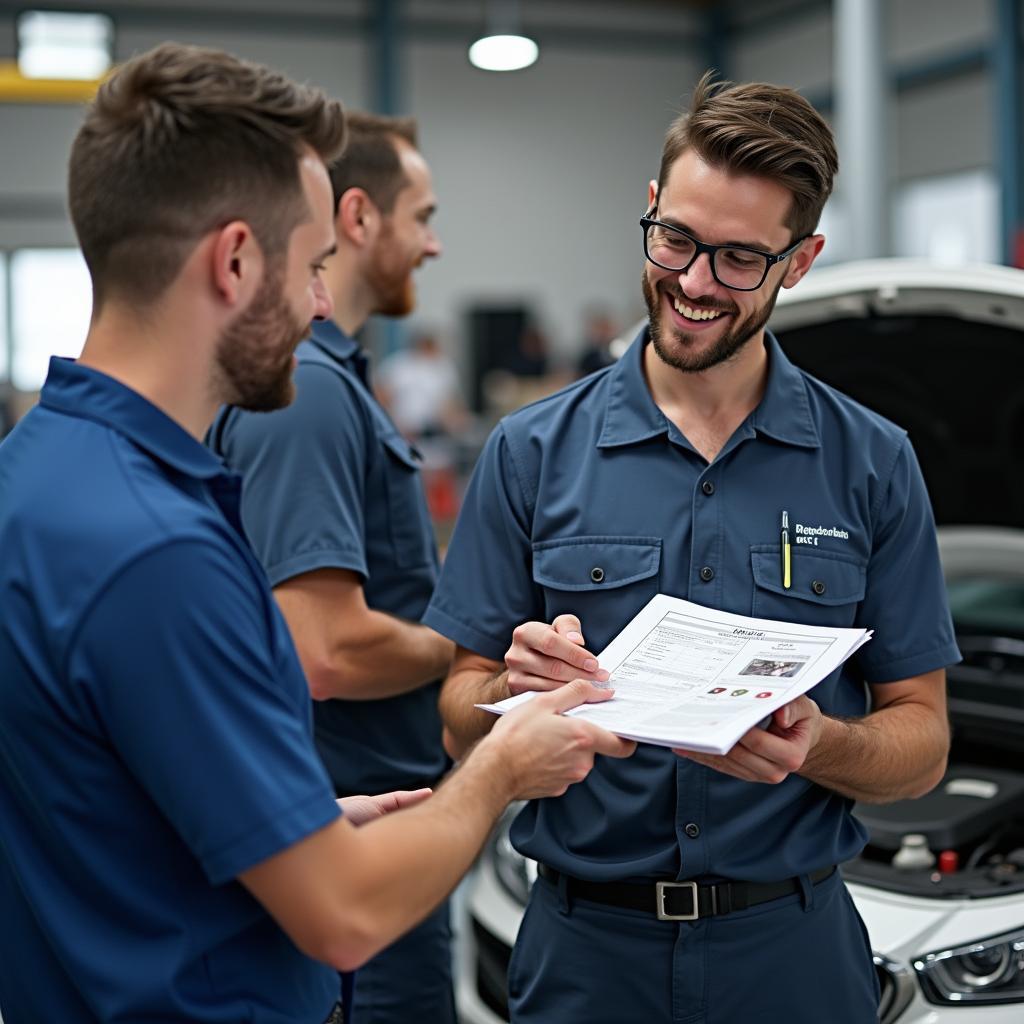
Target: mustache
[703,301]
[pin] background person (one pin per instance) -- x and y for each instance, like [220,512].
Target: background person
[669,472]
[170,844]
[334,507]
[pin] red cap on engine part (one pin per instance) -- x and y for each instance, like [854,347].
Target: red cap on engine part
[949,861]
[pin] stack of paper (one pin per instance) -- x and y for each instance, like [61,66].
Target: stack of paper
[695,678]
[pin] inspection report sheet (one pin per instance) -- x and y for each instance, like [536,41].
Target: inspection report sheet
[692,677]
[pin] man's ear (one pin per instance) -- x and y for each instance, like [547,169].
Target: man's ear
[237,263]
[357,217]
[802,259]
[652,193]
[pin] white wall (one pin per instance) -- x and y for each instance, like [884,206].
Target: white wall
[541,174]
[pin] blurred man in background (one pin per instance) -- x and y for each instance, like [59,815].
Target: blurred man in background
[334,507]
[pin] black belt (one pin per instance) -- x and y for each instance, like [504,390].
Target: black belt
[680,901]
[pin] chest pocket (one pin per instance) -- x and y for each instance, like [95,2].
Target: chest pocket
[408,519]
[826,586]
[603,580]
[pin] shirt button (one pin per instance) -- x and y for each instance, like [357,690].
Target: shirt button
[597,574]
[707,574]
[818,587]
[708,488]
[692,830]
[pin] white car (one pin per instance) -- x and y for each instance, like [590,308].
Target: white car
[939,351]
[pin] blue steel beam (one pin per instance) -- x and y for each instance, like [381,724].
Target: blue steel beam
[1008,109]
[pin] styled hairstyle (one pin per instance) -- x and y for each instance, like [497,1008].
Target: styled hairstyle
[763,130]
[179,141]
[371,160]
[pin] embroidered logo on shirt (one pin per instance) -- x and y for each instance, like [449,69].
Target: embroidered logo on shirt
[810,534]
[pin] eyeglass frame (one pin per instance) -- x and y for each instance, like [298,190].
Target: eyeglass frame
[770,258]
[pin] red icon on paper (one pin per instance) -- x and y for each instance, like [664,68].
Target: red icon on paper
[764,693]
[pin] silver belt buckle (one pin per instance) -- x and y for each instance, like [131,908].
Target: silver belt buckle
[659,898]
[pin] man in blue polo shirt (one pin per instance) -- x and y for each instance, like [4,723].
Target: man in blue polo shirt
[170,844]
[334,508]
[671,472]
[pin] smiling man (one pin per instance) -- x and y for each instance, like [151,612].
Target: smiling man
[335,509]
[683,887]
[171,848]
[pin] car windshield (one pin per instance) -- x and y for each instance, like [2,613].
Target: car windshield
[988,606]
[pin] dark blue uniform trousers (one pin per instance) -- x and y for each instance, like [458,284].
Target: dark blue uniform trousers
[802,959]
[410,981]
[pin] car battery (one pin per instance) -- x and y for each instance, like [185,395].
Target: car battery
[966,806]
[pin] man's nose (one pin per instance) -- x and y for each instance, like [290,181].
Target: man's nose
[433,247]
[323,305]
[699,279]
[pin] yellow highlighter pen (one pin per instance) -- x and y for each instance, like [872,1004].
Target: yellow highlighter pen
[787,555]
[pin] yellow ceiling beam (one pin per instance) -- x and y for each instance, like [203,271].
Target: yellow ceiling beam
[16,88]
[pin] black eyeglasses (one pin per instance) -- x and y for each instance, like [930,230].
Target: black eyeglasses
[734,266]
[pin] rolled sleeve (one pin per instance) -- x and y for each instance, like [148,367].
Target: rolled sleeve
[486,587]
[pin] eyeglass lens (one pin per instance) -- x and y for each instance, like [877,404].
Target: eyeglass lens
[735,268]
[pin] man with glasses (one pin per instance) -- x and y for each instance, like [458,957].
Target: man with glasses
[679,886]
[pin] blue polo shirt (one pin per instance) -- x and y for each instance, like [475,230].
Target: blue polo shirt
[155,734]
[595,477]
[331,484]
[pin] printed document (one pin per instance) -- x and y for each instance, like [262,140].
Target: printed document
[695,678]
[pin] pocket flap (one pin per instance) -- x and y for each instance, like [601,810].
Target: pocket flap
[402,450]
[595,563]
[823,578]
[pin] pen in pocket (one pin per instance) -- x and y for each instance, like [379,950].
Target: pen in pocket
[786,552]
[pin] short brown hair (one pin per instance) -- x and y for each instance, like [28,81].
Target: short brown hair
[764,130]
[178,141]
[371,160]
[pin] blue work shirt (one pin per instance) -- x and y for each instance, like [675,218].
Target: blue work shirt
[591,502]
[155,733]
[331,484]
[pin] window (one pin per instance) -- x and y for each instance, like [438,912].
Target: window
[51,301]
[63,44]
[950,219]
[5,341]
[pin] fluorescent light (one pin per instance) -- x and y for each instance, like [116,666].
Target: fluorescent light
[55,44]
[503,53]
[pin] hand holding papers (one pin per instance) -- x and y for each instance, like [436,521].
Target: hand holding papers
[692,677]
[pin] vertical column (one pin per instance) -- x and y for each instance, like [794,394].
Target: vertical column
[716,40]
[862,125]
[1006,86]
[386,87]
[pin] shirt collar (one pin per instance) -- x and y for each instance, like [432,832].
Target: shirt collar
[631,414]
[85,393]
[326,334]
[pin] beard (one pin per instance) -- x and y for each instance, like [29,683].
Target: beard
[723,349]
[390,276]
[254,352]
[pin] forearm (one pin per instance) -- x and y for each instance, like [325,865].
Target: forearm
[895,753]
[409,861]
[464,723]
[384,657]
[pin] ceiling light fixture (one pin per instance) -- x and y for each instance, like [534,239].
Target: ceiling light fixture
[503,48]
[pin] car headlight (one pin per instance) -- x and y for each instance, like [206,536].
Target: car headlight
[988,971]
[514,872]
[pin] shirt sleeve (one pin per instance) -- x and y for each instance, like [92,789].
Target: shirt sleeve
[905,598]
[486,587]
[204,701]
[304,469]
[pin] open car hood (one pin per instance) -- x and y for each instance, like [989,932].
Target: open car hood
[937,350]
